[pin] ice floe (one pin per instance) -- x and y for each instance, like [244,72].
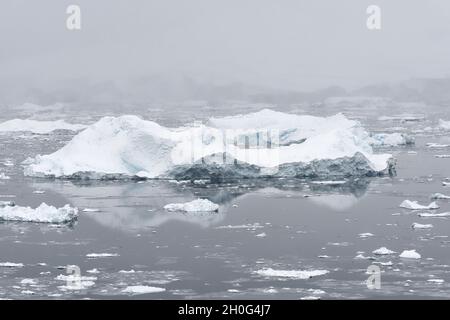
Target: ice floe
[416,225]
[365,235]
[262,144]
[414,205]
[3,176]
[295,274]
[102,255]
[439,196]
[38,127]
[444,125]
[199,205]
[410,254]
[383,251]
[431,215]
[142,289]
[42,214]
[11,265]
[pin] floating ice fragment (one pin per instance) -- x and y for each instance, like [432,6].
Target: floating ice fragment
[11,265]
[42,214]
[431,215]
[439,196]
[199,205]
[295,274]
[3,176]
[101,255]
[142,289]
[38,127]
[413,205]
[416,225]
[410,254]
[383,251]
[365,235]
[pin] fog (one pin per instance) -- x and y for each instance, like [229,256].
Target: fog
[178,48]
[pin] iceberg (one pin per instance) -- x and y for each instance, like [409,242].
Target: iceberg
[414,205]
[410,254]
[261,144]
[38,127]
[43,214]
[199,205]
[383,251]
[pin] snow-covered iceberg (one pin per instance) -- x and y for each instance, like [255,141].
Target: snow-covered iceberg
[391,139]
[38,127]
[262,144]
[414,205]
[43,214]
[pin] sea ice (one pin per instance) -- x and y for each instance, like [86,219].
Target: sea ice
[11,265]
[102,255]
[416,225]
[142,289]
[38,127]
[3,176]
[439,196]
[410,254]
[383,251]
[295,274]
[199,205]
[42,214]
[240,146]
[413,205]
[431,215]
[391,139]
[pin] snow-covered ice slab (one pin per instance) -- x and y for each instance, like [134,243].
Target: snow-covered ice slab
[416,225]
[410,254]
[432,215]
[295,274]
[38,127]
[383,251]
[414,205]
[439,196]
[43,214]
[262,144]
[199,205]
[391,139]
[142,289]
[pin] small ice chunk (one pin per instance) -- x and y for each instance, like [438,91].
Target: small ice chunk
[42,214]
[383,251]
[413,205]
[101,255]
[410,254]
[439,281]
[127,271]
[3,176]
[431,215]
[330,182]
[365,235]
[416,225]
[38,191]
[199,205]
[142,289]
[295,274]
[261,235]
[7,204]
[28,281]
[11,265]
[93,271]
[439,196]
[91,210]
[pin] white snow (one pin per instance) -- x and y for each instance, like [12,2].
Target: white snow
[431,215]
[416,225]
[383,251]
[414,205]
[43,214]
[129,146]
[410,254]
[38,127]
[199,205]
[142,289]
[11,265]
[3,176]
[365,235]
[390,139]
[295,274]
[444,125]
[439,196]
[102,255]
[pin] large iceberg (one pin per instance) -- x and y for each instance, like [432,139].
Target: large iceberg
[262,144]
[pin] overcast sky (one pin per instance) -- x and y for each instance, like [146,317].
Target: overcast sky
[292,44]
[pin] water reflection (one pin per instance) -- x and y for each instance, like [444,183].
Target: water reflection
[130,206]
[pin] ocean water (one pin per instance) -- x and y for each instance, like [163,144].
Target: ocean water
[282,224]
